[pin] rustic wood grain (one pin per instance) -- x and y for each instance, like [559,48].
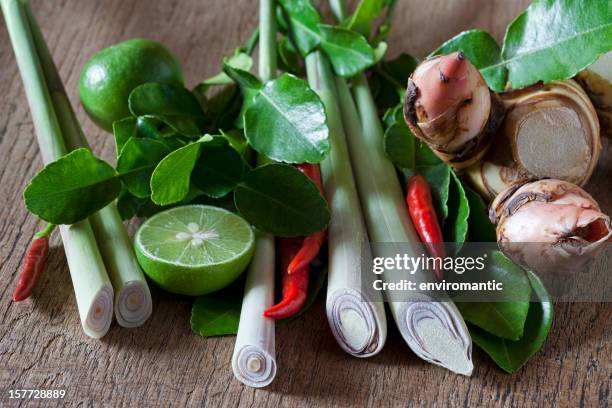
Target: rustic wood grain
[164,363]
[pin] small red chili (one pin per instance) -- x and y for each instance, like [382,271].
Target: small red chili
[312,243]
[33,265]
[295,285]
[424,218]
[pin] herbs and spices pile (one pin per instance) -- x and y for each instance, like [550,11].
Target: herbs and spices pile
[254,172]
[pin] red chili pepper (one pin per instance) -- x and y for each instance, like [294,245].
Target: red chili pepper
[424,218]
[33,265]
[295,285]
[312,243]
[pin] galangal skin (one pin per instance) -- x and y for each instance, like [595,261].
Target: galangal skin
[550,226]
[450,107]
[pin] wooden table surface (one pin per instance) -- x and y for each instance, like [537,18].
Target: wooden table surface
[163,362]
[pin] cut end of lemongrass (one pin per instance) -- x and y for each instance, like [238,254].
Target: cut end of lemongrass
[253,366]
[434,334]
[133,304]
[356,324]
[100,313]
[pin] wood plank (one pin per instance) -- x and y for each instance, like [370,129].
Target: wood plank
[163,363]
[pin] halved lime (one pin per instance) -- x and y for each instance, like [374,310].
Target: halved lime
[194,249]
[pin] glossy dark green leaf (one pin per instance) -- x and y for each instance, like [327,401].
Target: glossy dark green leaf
[394,115]
[219,168]
[439,179]
[281,200]
[128,204]
[349,52]
[391,79]
[136,162]
[123,130]
[288,57]
[250,87]
[236,139]
[239,60]
[303,20]
[222,107]
[216,314]
[287,122]
[512,355]
[72,188]
[365,15]
[480,227]
[483,51]
[556,39]
[243,78]
[171,178]
[399,69]
[455,227]
[174,105]
[399,145]
[504,317]
[143,127]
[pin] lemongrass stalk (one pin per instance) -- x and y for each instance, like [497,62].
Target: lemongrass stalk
[357,321]
[254,357]
[92,287]
[433,328]
[133,304]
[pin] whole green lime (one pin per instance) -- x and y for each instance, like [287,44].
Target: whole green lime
[110,75]
[194,249]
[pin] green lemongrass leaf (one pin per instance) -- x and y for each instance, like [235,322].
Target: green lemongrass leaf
[349,52]
[556,39]
[72,188]
[286,122]
[174,105]
[481,50]
[512,355]
[217,314]
[400,145]
[303,20]
[281,200]
[219,168]
[240,60]
[503,317]
[171,178]
[365,15]
[136,162]
[480,227]
[456,223]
